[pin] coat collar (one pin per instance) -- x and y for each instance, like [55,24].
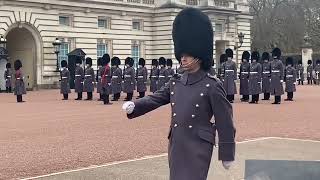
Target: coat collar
[192,78]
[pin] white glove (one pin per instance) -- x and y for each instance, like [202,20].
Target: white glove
[128,107]
[281,81]
[227,164]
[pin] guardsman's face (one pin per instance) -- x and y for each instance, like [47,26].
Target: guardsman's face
[244,60]
[189,63]
[266,60]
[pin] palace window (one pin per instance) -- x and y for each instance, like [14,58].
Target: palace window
[135,53]
[65,20]
[63,51]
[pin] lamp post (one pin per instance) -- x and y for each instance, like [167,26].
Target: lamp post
[56,44]
[3,42]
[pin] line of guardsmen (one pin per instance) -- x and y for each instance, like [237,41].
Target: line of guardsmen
[113,80]
[265,75]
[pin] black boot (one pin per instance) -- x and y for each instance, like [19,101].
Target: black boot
[79,96]
[10,89]
[289,96]
[266,96]
[7,90]
[230,98]
[277,100]
[106,99]
[89,96]
[19,99]
[65,97]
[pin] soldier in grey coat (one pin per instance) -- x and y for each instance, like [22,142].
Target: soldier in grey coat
[88,85]
[230,76]
[8,78]
[154,76]
[169,71]
[277,76]
[266,76]
[196,98]
[223,59]
[65,79]
[309,72]
[79,77]
[106,79]
[317,72]
[19,88]
[129,79]
[142,77]
[290,79]
[98,78]
[162,72]
[244,76]
[116,79]
[300,72]
[255,78]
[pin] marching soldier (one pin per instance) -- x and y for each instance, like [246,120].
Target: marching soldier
[106,79]
[290,79]
[19,88]
[195,98]
[266,76]
[230,76]
[300,70]
[142,76]
[154,76]
[255,77]
[129,79]
[169,72]
[65,78]
[116,79]
[244,76]
[277,76]
[309,72]
[89,79]
[8,77]
[223,59]
[98,78]
[317,72]
[79,76]
[162,72]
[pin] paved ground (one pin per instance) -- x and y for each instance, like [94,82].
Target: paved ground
[47,135]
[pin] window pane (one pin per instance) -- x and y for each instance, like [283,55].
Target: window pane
[219,28]
[136,25]
[64,50]
[135,54]
[102,23]
[64,20]
[101,49]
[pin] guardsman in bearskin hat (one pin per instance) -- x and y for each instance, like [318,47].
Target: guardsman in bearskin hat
[317,72]
[169,72]
[162,72]
[65,79]
[255,77]
[19,88]
[129,79]
[79,77]
[154,76]
[244,76]
[106,79]
[195,98]
[309,72]
[223,59]
[277,76]
[142,77]
[116,79]
[300,71]
[230,76]
[88,85]
[8,77]
[290,79]
[266,76]
[98,78]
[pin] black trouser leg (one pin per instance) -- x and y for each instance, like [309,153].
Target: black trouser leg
[10,89]
[118,96]
[301,82]
[7,90]
[106,99]
[65,96]
[143,94]
[277,99]
[19,98]
[90,96]
[100,97]
[290,95]
[130,96]
[256,98]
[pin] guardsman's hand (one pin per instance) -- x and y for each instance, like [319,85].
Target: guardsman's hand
[128,107]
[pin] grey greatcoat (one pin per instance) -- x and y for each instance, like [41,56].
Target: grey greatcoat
[277,75]
[19,88]
[266,77]
[244,78]
[116,80]
[65,78]
[290,79]
[317,74]
[98,79]
[169,74]
[162,77]
[105,74]
[142,77]
[300,73]
[195,99]
[129,80]
[255,78]
[154,76]
[230,75]
[88,85]
[8,77]
[309,72]
[78,82]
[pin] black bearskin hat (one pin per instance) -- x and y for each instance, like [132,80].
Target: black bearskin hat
[17,64]
[155,62]
[276,53]
[105,59]
[318,61]
[229,53]
[255,55]
[223,58]
[169,62]
[64,63]
[309,61]
[89,61]
[99,61]
[116,61]
[78,60]
[127,61]
[289,60]
[8,65]
[197,40]
[142,62]
[131,62]
[265,56]
[113,62]
[162,61]
[245,55]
